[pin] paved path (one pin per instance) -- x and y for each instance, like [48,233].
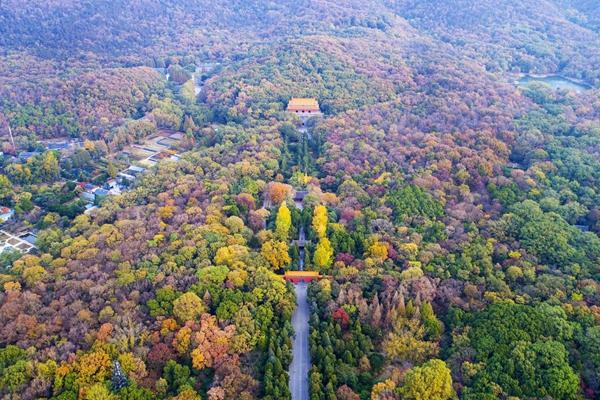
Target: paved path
[301,354]
[302,238]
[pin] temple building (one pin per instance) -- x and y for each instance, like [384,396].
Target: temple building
[304,107]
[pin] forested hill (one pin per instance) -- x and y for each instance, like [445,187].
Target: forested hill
[125,27]
[525,35]
[452,198]
[530,35]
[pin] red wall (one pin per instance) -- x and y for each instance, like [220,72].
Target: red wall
[304,111]
[299,279]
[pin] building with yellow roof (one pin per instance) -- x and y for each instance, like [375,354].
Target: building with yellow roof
[304,106]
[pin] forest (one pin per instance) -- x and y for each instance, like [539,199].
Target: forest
[452,216]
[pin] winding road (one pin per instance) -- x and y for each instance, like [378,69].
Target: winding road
[301,355]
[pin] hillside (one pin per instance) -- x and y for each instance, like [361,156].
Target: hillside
[526,36]
[450,207]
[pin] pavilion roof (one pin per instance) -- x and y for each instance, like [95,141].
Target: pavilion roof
[303,103]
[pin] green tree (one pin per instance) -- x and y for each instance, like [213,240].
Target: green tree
[433,326]
[412,201]
[162,303]
[23,203]
[521,351]
[99,391]
[133,392]
[544,370]
[177,376]
[16,375]
[111,170]
[591,357]
[10,355]
[6,188]
[188,123]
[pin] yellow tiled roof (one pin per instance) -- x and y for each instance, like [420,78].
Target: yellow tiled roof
[305,103]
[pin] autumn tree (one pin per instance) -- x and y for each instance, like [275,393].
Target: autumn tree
[93,367]
[50,169]
[212,343]
[344,392]
[111,170]
[283,222]
[323,256]
[99,391]
[188,307]
[378,251]
[276,253]
[278,192]
[430,381]
[319,221]
[407,342]
[385,390]
[6,188]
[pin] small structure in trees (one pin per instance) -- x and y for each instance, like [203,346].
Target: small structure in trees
[301,276]
[299,195]
[304,108]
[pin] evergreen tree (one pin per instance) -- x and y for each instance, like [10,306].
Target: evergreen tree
[119,379]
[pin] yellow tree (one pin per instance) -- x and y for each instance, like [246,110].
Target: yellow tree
[188,92]
[187,394]
[33,275]
[111,170]
[182,340]
[409,250]
[379,251]
[383,390]
[276,253]
[50,168]
[188,307]
[6,188]
[99,391]
[231,255]
[319,222]
[430,381]
[283,222]
[93,367]
[133,366]
[408,343]
[323,256]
